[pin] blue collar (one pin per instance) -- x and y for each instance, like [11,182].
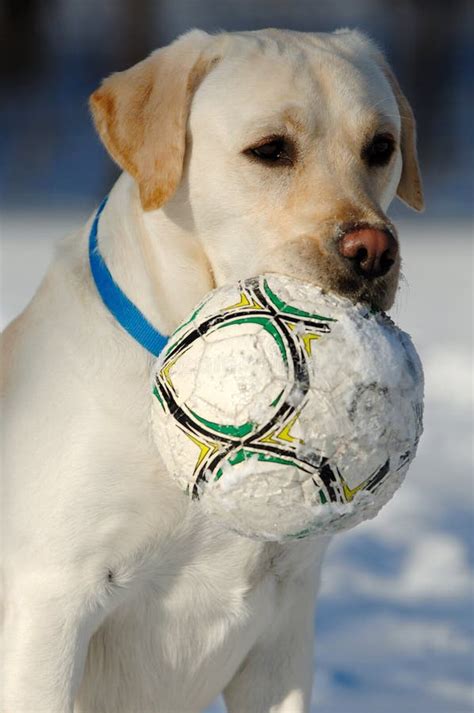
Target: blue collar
[117,302]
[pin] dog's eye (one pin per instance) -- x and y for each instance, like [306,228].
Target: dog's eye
[378,152]
[276,150]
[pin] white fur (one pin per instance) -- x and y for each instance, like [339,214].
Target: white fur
[118,593]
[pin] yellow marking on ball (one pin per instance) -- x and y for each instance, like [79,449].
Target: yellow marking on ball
[284,434]
[165,372]
[269,439]
[245,302]
[307,339]
[349,493]
[204,449]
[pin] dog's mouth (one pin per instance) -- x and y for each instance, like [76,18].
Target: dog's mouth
[327,270]
[377,293]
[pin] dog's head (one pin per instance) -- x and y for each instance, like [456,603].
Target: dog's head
[280,150]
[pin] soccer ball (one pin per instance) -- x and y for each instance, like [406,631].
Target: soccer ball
[286,411]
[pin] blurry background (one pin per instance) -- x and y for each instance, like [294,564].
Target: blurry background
[395,618]
[55,52]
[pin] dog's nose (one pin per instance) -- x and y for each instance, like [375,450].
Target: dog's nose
[371,250]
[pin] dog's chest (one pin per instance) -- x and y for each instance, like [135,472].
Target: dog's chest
[209,596]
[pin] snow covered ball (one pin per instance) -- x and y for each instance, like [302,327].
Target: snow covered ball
[286,411]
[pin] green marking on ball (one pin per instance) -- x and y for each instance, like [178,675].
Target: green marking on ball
[275,401]
[268,327]
[157,394]
[284,307]
[243,454]
[228,430]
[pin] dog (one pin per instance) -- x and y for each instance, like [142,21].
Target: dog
[242,153]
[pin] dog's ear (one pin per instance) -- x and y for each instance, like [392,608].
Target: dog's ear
[410,188]
[141,114]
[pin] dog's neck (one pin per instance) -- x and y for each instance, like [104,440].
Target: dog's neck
[159,264]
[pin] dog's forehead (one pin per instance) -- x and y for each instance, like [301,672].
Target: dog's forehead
[272,76]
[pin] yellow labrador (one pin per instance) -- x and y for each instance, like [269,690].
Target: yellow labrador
[242,153]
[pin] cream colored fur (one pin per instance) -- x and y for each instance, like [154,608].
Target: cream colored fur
[118,594]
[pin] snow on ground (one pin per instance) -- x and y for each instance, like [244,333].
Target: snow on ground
[395,619]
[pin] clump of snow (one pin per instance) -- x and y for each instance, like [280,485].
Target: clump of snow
[295,396]
[232,476]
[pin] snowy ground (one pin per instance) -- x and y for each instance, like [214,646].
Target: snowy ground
[395,620]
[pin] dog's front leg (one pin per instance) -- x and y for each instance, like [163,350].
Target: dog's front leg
[49,620]
[276,676]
